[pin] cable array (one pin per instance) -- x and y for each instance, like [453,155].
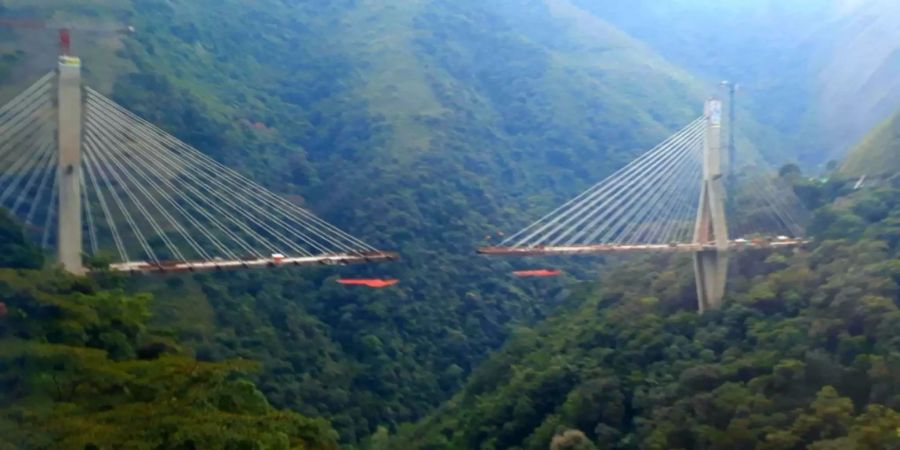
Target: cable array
[149,198]
[146,196]
[28,158]
[158,199]
[762,204]
[652,200]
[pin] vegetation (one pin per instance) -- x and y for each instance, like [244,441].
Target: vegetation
[78,369]
[15,249]
[804,355]
[462,121]
[423,127]
[878,154]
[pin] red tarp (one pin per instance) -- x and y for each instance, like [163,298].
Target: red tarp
[537,273]
[3,310]
[372,283]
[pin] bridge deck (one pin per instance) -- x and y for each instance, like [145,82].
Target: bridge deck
[200,266]
[637,248]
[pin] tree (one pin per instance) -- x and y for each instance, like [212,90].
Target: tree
[571,440]
[15,249]
[69,378]
[829,416]
[789,171]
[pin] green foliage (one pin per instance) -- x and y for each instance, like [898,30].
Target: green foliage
[358,358]
[878,153]
[571,440]
[79,370]
[422,127]
[172,402]
[805,354]
[15,250]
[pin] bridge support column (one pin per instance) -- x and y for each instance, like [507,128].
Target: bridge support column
[711,266]
[711,273]
[69,106]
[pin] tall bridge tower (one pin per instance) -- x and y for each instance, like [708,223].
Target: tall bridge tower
[670,199]
[711,264]
[69,139]
[95,179]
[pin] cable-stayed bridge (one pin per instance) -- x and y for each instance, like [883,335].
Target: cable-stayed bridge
[672,199]
[89,178]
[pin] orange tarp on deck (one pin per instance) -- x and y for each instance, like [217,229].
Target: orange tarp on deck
[372,283]
[537,273]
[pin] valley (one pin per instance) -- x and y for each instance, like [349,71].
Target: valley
[431,128]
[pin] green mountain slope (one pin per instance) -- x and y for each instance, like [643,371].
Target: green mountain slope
[878,153]
[428,126]
[804,355]
[80,369]
[420,126]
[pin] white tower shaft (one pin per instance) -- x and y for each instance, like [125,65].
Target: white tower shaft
[69,107]
[711,266]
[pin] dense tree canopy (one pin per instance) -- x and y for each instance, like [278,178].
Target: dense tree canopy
[79,370]
[472,118]
[806,354]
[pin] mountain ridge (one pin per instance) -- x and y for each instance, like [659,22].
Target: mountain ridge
[878,153]
[821,72]
[426,127]
[632,366]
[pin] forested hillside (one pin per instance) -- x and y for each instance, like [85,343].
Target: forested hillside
[878,154]
[80,369]
[804,355]
[424,127]
[427,127]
